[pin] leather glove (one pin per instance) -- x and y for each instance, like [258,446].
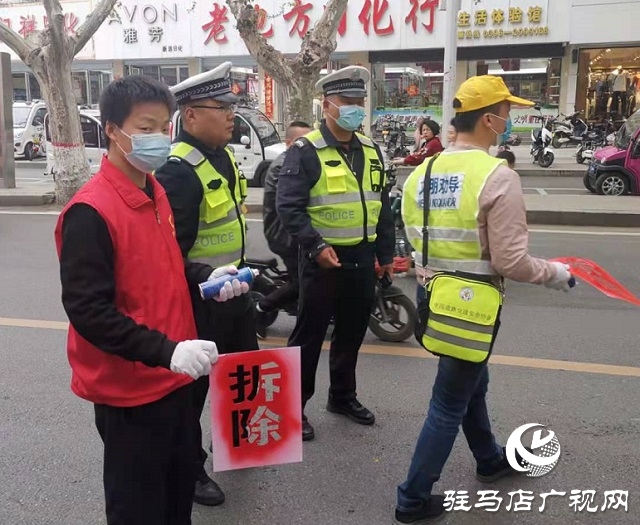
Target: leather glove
[561,280]
[194,358]
[230,289]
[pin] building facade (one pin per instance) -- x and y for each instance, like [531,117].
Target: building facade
[564,54]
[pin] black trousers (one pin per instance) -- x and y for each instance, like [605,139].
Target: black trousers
[286,294]
[150,460]
[346,295]
[232,326]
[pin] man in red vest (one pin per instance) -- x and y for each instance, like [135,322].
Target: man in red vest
[132,342]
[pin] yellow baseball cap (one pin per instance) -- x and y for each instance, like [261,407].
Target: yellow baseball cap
[483,91]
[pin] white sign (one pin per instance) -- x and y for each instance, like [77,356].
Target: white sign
[171,29]
[25,20]
[446,191]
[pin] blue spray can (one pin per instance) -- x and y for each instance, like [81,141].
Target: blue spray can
[210,289]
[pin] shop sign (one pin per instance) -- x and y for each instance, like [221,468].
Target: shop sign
[268,96]
[153,28]
[207,28]
[500,19]
[26,20]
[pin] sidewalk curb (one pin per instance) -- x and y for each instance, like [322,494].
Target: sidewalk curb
[525,172]
[27,200]
[584,218]
[558,218]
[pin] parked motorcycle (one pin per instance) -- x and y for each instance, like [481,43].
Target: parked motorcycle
[569,131]
[595,137]
[396,140]
[541,149]
[392,317]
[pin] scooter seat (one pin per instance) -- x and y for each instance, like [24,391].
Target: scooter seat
[262,264]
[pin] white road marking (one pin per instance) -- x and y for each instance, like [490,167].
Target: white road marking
[541,191]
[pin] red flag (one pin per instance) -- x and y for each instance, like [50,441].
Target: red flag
[599,278]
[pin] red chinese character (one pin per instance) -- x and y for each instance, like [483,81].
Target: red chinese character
[216,26]
[379,9]
[6,21]
[27,25]
[70,22]
[302,20]
[262,21]
[412,17]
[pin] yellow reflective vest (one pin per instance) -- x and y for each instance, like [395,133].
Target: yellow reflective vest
[457,179]
[343,211]
[222,230]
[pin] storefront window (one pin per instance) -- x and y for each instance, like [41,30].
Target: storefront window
[169,75]
[34,87]
[20,91]
[608,79]
[98,80]
[404,93]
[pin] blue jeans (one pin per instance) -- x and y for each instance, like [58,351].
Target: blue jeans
[458,397]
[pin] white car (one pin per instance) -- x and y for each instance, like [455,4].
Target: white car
[28,122]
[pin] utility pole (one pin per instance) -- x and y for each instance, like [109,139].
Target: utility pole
[450,60]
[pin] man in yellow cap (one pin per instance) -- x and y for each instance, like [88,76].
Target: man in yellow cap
[477,231]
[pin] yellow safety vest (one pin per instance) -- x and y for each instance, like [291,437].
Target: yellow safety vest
[343,211]
[462,316]
[222,229]
[457,179]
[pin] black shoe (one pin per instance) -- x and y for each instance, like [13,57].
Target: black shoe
[431,511]
[499,468]
[307,430]
[207,491]
[353,409]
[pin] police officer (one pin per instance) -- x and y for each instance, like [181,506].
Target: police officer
[331,199]
[477,229]
[206,192]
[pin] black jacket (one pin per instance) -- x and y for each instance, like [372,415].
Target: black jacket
[280,242]
[300,172]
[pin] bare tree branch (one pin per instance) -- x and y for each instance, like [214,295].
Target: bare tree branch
[15,42]
[91,24]
[322,37]
[272,60]
[55,16]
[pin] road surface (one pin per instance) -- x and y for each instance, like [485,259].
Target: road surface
[569,361]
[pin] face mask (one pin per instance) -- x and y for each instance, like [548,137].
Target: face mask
[351,117]
[149,151]
[500,135]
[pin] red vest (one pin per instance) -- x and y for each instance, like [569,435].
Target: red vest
[151,289]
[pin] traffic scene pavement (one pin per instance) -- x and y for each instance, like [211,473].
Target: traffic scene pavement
[566,361]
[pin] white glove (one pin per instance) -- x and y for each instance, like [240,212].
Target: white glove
[194,358]
[561,280]
[230,289]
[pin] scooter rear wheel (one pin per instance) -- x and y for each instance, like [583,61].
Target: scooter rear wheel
[397,329]
[546,160]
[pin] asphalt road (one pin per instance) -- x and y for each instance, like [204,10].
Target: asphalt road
[569,361]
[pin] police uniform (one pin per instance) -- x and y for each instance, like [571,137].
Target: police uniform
[206,192]
[332,194]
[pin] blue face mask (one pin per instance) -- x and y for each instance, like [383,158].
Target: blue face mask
[351,117]
[149,151]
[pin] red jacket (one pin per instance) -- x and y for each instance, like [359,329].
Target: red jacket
[151,288]
[428,149]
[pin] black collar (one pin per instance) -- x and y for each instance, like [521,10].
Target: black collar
[183,136]
[328,137]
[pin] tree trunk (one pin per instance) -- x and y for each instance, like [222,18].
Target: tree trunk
[300,99]
[70,164]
